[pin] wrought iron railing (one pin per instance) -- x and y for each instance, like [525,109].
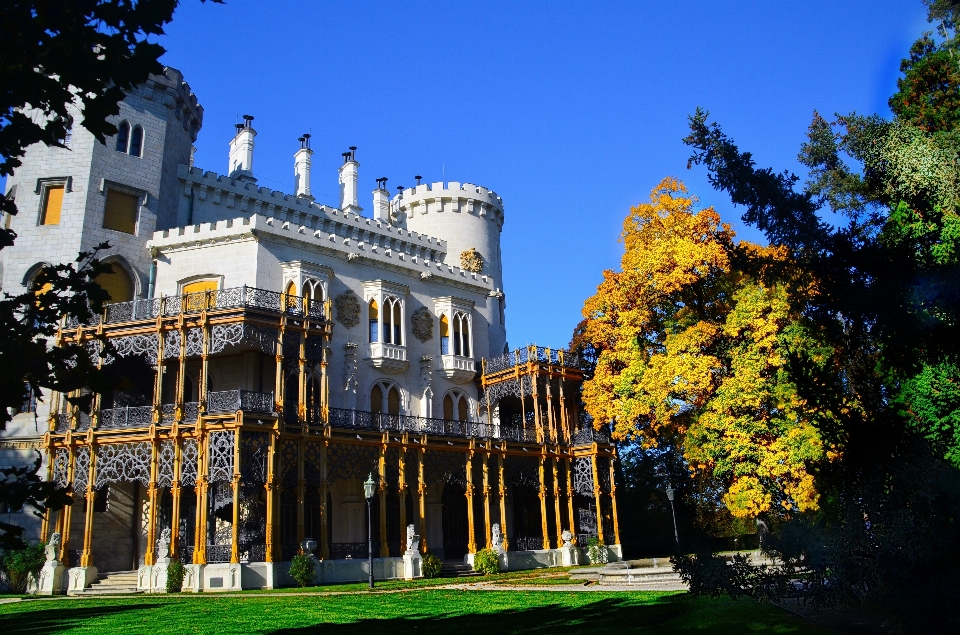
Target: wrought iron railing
[126,417]
[379,421]
[245,400]
[218,553]
[63,421]
[237,297]
[541,354]
[586,436]
[526,543]
[168,413]
[584,539]
[355,550]
[73,557]
[191,411]
[186,554]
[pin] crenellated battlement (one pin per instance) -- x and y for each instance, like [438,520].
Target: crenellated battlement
[452,197]
[171,90]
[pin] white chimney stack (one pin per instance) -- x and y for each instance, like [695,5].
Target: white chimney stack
[381,201]
[349,173]
[241,150]
[301,168]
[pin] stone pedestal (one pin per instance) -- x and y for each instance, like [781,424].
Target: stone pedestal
[569,556]
[79,578]
[193,577]
[145,578]
[51,580]
[159,575]
[412,565]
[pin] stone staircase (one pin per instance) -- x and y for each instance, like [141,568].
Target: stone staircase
[648,573]
[115,583]
[457,569]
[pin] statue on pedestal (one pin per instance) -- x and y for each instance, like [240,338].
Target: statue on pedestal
[496,539]
[413,540]
[52,548]
[163,544]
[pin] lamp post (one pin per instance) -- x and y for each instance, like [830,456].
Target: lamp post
[673,513]
[368,488]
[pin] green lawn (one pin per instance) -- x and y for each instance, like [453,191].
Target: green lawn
[439,611]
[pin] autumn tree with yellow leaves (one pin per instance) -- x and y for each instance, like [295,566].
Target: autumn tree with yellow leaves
[691,352]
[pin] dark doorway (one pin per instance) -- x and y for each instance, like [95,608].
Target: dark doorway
[454,522]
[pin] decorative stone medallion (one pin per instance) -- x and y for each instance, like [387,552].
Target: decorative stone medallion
[471,260]
[348,309]
[422,324]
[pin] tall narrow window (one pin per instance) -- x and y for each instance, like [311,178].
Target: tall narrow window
[397,324]
[123,136]
[465,334]
[374,315]
[448,407]
[393,401]
[457,335]
[136,141]
[462,409]
[444,335]
[52,204]
[120,212]
[376,399]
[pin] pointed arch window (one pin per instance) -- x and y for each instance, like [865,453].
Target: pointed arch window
[461,334]
[136,141]
[392,321]
[456,406]
[374,315]
[123,136]
[444,335]
[385,397]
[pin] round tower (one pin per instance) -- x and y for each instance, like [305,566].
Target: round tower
[467,216]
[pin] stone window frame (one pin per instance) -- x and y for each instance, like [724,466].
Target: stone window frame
[46,183]
[106,185]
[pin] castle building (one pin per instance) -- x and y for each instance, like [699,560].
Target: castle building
[276,354]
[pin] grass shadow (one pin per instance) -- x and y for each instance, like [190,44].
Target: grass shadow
[65,616]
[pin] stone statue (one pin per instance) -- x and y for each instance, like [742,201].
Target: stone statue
[163,544]
[496,538]
[52,548]
[308,546]
[567,538]
[413,540]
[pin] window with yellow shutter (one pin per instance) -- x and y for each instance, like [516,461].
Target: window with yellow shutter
[120,212]
[52,204]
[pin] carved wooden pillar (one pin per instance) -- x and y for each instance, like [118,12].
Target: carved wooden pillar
[272,499]
[564,419]
[158,386]
[302,373]
[301,488]
[66,514]
[613,504]
[573,526]
[543,504]
[556,501]
[486,499]
[235,525]
[503,503]
[403,493]
[422,499]
[382,468]
[203,490]
[181,370]
[175,498]
[280,379]
[471,531]
[550,422]
[324,510]
[204,364]
[596,494]
[149,556]
[86,559]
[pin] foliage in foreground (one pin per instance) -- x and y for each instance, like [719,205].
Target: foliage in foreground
[431,566]
[486,561]
[175,573]
[19,565]
[303,569]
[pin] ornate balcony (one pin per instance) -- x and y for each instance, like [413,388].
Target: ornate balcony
[244,400]
[586,436]
[388,358]
[458,369]
[379,422]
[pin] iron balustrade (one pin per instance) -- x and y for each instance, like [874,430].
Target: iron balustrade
[233,298]
[380,422]
[168,413]
[355,550]
[539,354]
[526,543]
[191,411]
[218,553]
[126,417]
[245,400]
[587,436]
[63,421]
[83,421]
[584,539]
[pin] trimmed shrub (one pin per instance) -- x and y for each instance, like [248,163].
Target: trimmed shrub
[596,551]
[175,571]
[431,566]
[486,561]
[20,564]
[303,569]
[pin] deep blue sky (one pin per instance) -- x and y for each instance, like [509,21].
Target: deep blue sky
[571,111]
